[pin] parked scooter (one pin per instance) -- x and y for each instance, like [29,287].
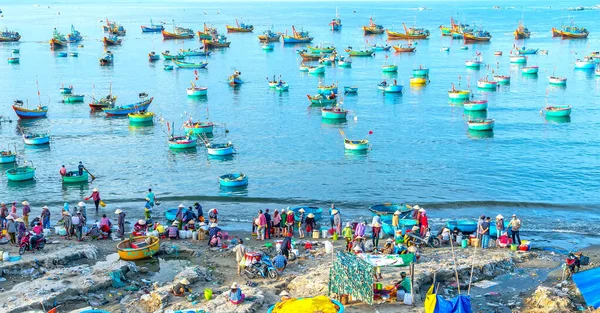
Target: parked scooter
[263,268]
[37,242]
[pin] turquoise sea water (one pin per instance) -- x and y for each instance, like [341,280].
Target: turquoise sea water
[421,150]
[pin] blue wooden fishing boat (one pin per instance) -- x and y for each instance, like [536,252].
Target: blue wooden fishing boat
[381,47]
[387,210]
[21,173]
[153,28]
[152,56]
[524,50]
[124,110]
[74,36]
[322,100]
[235,79]
[66,90]
[502,79]
[390,88]
[171,214]
[107,59]
[465,226]
[297,37]
[181,142]
[350,89]
[198,52]
[403,224]
[190,65]
[233,180]
[220,149]
[24,113]
[7,156]
[36,139]
[336,23]
[334,113]
[317,212]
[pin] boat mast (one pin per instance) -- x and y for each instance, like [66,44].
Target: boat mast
[38,90]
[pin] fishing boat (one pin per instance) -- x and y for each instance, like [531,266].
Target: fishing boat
[522,32]
[409,33]
[171,214]
[381,47]
[106,59]
[474,63]
[267,46]
[129,108]
[233,180]
[141,117]
[73,98]
[417,80]
[24,113]
[387,210]
[14,60]
[297,37]
[344,62]
[558,110]
[573,32]
[446,31]
[404,225]
[525,50]
[502,79]
[152,56]
[74,36]
[269,36]
[197,52]
[555,32]
[554,80]
[356,145]
[404,48]
[58,40]
[458,30]
[181,142]
[477,36]
[220,149]
[111,41]
[195,128]
[153,28]
[168,56]
[336,23]
[310,56]
[319,69]
[196,91]
[390,88]
[104,102]
[217,42]
[316,211]
[464,226]
[328,60]
[420,72]
[36,139]
[475,105]
[235,80]
[372,28]
[239,28]
[481,124]
[327,89]
[282,86]
[73,177]
[207,33]
[530,70]
[65,90]
[9,36]
[138,248]
[518,59]
[586,63]
[456,94]
[189,64]
[334,113]
[321,100]
[321,48]
[350,89]
[21,173]
[389,68]
[7,156]
[359,53]
[177,33]
[303,67]
[485,83]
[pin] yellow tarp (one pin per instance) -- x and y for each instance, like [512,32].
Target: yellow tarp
[306,305]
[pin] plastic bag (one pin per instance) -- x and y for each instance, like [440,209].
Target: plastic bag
[102,204]
[243,261]
[208,293]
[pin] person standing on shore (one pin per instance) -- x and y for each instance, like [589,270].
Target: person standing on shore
[96,197]
[150,197]
[347,234]
[479,229]
[276,221]
[45,217]
[290,220]
[375,235]
[360,230]
[81,207]
[262,225]
[485,233]
[301,223]
[11,229]
[396,219]
[213,215]
[268,227]
[310,223]
[120,223]
[179,215]
[13,209]
[499,226]
[79,225]
[282,223]
[424,221]
[515,225]
[3,213]
[240,252]
[416,214]
[26,211]
[198,209]
[331,214]
[337,222]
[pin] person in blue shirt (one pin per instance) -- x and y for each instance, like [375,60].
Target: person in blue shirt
[280,262]
[80,168]
[200,214]
[235,295]
[150,197]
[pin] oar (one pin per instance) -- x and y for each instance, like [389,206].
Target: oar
[91,175]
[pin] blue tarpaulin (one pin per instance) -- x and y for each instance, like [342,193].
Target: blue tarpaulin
[435,303]
[587,282]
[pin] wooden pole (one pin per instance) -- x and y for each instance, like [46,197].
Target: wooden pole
[412,282]
[472,266]
[455,269]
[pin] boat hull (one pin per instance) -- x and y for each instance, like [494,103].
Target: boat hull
[234,29]
[73,98]
[220,150]
[350,89]
[20,173]
[390,68]
[333,115]
[476,106]
[225,182]
[133,254]
[200,129]
[464,95]
[75,178]
[197,92]
[487,85]
[23,113]
[502,79]
[356,145]
[316,211]
[186,144]
[397,35]
[190,65]
[557,81]
[481,125]
[558,111]
[464,226]
[5,159]
[393,89]
[36,141]
[141,118]
[518,60]
[168,35]
[530,70]
[126,110]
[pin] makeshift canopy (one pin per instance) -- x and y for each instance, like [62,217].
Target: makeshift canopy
[435,303]
[387,260]
[587,282]
[351,276]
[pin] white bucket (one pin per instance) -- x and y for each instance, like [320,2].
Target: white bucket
[278,247]
[46,232]
[5,256]
[328,247]
[195,235]
[324,233]
[182,234]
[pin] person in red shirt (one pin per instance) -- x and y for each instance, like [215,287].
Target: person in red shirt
[424,221]
[63,171]
[96,197]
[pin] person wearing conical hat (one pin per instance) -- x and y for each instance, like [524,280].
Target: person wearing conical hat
[120,223]
[337,221]
[68,224]
[375,235]
[173,230]
[310,223]
[26,211]
[415,214]
[388,248]
[96,197]
[45,217]
[181,287]
[499,225]
[11,228]
[235,295]
[347,234]
[21,229]
[396,219]
[301,222]
[3,213]
[140,228]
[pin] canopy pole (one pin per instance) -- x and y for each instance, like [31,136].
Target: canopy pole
[472,266]
[455,269]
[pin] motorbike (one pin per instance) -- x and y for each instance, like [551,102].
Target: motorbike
[38,243]
[263,268]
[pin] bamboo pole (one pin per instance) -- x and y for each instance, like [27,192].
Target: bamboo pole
[472,266]
[455,269]
[412,282]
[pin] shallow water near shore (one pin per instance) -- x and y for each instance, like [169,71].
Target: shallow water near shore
[421,151]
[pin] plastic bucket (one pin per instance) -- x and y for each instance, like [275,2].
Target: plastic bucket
[464,243]
[475,242]
[324,233]
[328,247]
[315,234]
[208,293]
[335,236]
[513,247]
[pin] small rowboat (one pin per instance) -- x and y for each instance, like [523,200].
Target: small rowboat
[445,49]
[553,80]
[345,62]
[524,50]
[328,60]
[23,113]
[518,59]
[558,110]
[319,69]
[476,105]
[502,79]
[21,173]
[220,149]
[317,212]
[152,56]
[404,48]
[459,94]
[129,108]
[464,226]
[380,47]
[73,98]
[418,80]
[183,35]
[350,89]
[356,145]
[141,117]
[481,124]
[334,113]
[283,86]
[420,72]
[14,60]
[198,127]
[36,139]
[387,210]
[171,214]
[497,53]
[586,64]
[359,53]
[392,88]
[303,67]
[322,48]
[168,56]
[390,68]
[530,70]
[111,41]
[321,100]
[268,47]
[7,157]
[235,80]
[181,142]
[66,90]
[138,248]
[487,84]
[405,225]
[168,67]
[327,89]
[198,52]
[190,65]
[233,180]
[73,177]
[106,59]
[196,91]
[474,64]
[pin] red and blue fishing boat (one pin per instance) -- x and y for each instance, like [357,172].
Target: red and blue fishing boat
[235,80]
[111,41]
[24,113]
[297,37]
[58,40]
[336,23]
[153,28]
[124,110]
[9,36]
[74,35]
